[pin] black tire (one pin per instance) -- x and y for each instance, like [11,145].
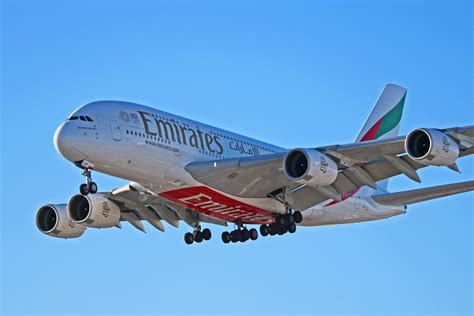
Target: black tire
[198,236]
[273,229]
[298,217]
[84,189]
[225,237]
[206,234]
[93,188]
[245,235]
[234,236]
[253,234]
[264,230]
[289,219]
[282,229]
[292,228]
[280,219]
[188,238]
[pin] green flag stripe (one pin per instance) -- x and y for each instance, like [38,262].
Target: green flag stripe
[391,119]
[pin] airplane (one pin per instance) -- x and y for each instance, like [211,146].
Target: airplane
[180,170]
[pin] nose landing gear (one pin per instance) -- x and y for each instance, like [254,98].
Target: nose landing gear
[89,186]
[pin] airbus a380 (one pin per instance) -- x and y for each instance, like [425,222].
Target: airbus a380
[182,170]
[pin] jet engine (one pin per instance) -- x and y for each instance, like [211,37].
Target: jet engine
[52,220]
[310,167]
[93,210]
[431,147]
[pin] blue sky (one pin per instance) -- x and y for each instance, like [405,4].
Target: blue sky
[291,73]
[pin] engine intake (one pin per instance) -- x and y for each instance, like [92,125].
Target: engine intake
[93,210]
[310,167]
[431,147]
[52,220]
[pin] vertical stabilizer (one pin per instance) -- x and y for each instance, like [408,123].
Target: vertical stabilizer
[384,119]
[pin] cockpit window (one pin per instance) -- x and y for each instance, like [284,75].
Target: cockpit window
[84,118]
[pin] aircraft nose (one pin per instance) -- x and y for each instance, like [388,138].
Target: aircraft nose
[64,141]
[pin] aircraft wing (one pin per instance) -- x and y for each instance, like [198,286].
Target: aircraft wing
[261,176]
[138,204]
[420,195]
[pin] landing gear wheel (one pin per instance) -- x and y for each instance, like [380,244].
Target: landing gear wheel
[234,236]
[188,238]
[225,237]
[292,228]
[84,189]
[273,229]
[282,229]
[245,235]
[206,234]
[264,230]
[288,219]
[198,237]
[298,217]
[93,187]
[253,234]
[240,235]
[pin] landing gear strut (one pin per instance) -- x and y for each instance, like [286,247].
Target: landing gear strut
[241,233]
[89,186]
[197,235]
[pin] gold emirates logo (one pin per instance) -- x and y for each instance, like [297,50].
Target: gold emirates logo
[323,164]
[172,131]
[105,209]
[446,144]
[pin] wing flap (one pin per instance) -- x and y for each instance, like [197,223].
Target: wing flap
[420,195]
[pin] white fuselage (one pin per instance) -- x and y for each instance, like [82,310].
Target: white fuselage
[151,147]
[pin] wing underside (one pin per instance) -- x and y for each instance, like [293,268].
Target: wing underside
[425,194]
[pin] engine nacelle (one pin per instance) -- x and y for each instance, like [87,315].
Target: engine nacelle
[52,220]
[93,210]
[310,167]
[431,147]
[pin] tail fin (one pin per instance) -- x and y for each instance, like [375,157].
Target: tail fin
[384,119]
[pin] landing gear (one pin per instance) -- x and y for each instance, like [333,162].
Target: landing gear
[89,186]
[197,235]
[240,234]
[283,224]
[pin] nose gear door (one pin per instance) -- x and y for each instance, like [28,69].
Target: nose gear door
[116,131]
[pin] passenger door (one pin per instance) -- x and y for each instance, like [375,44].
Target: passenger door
[116,131]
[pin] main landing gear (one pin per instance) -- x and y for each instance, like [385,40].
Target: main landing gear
[197,235]
[283,224]
[241,234]
[89,186]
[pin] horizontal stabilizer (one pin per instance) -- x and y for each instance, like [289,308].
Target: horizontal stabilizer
[420,195]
